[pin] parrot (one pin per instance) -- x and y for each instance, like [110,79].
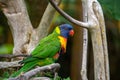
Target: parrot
[48,49]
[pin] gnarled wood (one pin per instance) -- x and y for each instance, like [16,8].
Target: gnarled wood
[20,24]
[24,35]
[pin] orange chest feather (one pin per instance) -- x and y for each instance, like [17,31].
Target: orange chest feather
[63,42]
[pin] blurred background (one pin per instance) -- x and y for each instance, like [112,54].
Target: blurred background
[72,60]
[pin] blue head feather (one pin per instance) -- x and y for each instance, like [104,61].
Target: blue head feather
[65,29]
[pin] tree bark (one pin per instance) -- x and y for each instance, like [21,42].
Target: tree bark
[100,17]
[9,64]
[24,35]
[85,42]
[20,24]
[98,36]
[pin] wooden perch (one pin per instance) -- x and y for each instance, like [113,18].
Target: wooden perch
[12,56]
[29,74]
[99,14]
[9,64]
[85,43]
[40,78]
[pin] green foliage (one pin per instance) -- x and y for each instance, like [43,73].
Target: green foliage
[6,49]
[111,8]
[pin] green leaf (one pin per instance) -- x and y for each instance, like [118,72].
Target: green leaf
[111,8]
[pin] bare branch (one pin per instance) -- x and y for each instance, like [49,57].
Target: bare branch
[9,64]
[29,74]
[13,55]
[85,42]
[83,24]
[40,78]
[99,15]
[35,78]
[84,55]
[97,41]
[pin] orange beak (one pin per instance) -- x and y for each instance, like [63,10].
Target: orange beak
[71,33]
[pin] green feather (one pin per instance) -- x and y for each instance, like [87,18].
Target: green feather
[42,54]
[47,47]
[25,68]
[33,62]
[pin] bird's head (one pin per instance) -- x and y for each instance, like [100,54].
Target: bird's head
[66,30]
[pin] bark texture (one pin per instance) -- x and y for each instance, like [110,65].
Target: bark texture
[25,36]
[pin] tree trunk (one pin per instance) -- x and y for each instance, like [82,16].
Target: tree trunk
[25,36]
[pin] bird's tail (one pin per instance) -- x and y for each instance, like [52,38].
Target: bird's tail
[25,68]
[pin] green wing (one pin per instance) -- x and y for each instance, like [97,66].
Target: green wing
[47,48]
[31,64]
[42,54]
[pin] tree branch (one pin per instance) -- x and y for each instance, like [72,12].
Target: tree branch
[29,74]
[97,40]
[85,42]
[99,14]
[9,64]
[40,78]
[69,18]
[13,55]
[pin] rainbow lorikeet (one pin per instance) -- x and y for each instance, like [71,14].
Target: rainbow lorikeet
[48,49]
